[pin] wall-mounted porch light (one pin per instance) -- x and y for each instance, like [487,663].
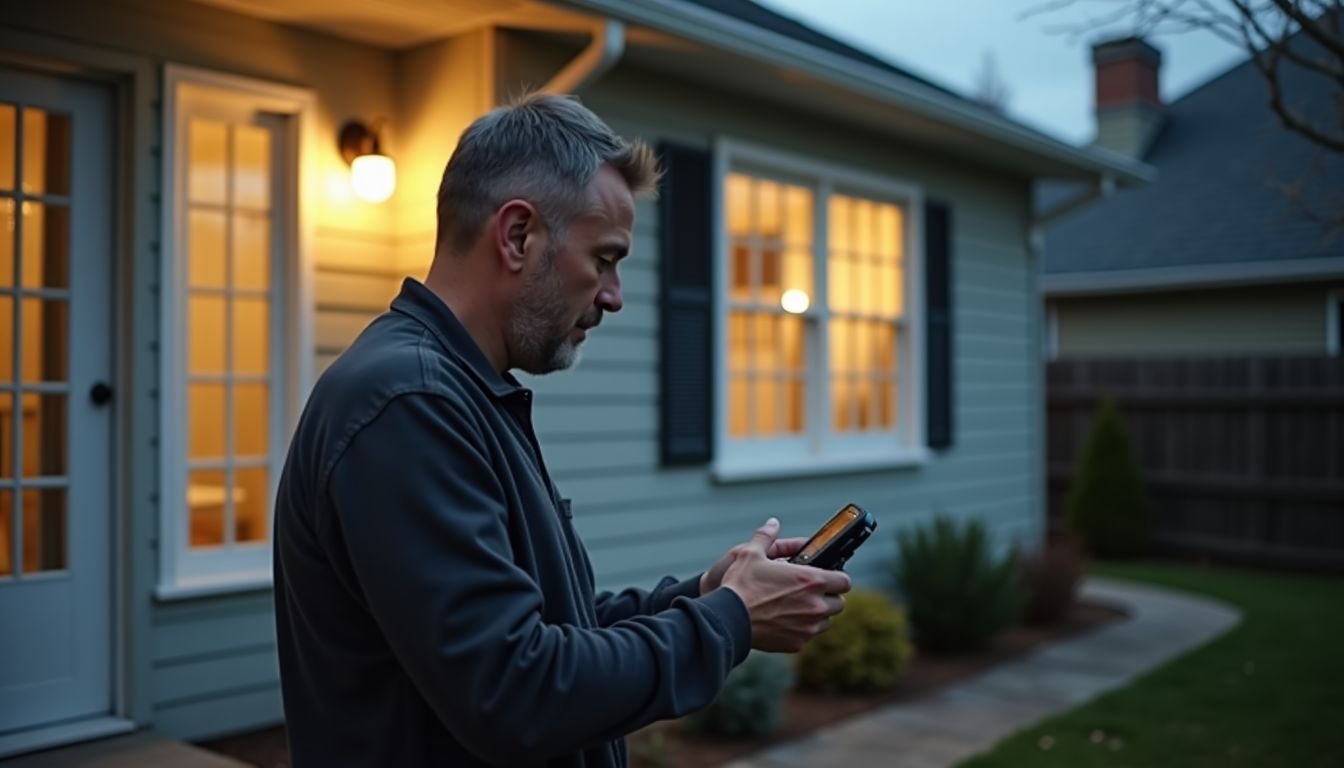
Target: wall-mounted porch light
[373,175]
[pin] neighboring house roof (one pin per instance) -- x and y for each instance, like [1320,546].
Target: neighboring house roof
[855,80]
[1212,216]
[760,16]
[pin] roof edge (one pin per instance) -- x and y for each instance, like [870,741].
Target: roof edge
[1156,279]
[712,28]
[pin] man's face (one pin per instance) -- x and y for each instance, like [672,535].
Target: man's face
[566,292]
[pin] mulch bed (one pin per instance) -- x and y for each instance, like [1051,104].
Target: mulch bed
[803,712]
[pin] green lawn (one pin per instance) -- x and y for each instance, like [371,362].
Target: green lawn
[1268,693]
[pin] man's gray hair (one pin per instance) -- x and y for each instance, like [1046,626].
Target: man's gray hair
[543,148]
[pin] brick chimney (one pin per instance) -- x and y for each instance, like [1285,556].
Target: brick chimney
[1129,108]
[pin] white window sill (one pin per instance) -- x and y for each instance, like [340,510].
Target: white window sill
[744,470]
[192,588]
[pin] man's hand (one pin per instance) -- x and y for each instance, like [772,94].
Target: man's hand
[780,549]
[789,604]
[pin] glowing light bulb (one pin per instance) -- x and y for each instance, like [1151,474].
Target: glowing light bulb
[795,301]
[373,177]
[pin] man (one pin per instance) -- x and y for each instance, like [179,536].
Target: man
[433,603]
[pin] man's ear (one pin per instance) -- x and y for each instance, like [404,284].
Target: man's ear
[517,227]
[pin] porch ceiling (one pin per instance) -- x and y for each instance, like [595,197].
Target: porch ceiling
[398,24]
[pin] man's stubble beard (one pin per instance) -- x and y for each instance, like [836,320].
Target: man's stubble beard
[542,324]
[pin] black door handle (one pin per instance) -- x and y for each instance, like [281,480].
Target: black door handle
[100,393]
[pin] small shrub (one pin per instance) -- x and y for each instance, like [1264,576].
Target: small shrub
[750,702]
[1107,505]
[958,595]
[867,648]
[1050,579]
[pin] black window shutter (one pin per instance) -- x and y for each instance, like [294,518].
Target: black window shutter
[938,322]
[686,293]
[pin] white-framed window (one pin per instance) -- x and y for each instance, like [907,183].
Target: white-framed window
[820,355]
[1334,323]
[236,326]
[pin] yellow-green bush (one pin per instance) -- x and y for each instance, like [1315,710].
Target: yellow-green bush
[867,647]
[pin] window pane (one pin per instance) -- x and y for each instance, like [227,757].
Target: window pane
[45,329]
[797,405]
[864,289]
[798,273]
[837,223]
[205,334]
[738,199]
[889,233]
[6,243]
[206,496]
[251,424]
[863,401]
[6,340]
[10,449]
[798,217]
[863,346]
[8,144]
[765,343]
[46,152]
[251,336]
[842,346]
[864,228]
[840,276]
[771,274]
[46,245]
[252,167]
[840,402]
[737,406]
[768,201]
[793,344]
[885,352]
[44,435]
[205,421]
[741,272]
[887,404]
[251,252]
[766,406]
[207,168]
[205,248]
[44,530]
[739,342]
[6,532]
[250,505]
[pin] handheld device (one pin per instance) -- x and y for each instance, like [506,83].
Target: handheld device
[831,546]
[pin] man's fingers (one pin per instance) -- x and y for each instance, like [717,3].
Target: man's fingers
[786,548]
[836,582]
[765,536]
[834,604]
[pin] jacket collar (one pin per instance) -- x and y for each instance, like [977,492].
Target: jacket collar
[419,302]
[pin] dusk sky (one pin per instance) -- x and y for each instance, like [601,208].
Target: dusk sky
[1048,74]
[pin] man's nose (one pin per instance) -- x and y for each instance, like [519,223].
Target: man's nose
[609,295]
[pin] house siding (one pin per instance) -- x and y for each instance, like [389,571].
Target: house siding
[598,423]
[1235,321]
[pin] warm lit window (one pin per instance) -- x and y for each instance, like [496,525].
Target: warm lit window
[232,336]
[817,351]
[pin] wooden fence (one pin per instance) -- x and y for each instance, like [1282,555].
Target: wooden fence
[1243,458]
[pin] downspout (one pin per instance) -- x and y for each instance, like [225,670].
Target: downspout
[1104,188]
[601,54]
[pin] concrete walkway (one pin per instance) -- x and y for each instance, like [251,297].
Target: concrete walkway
[960,721]
[142,749]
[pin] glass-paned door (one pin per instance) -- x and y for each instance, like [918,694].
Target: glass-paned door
[55,419]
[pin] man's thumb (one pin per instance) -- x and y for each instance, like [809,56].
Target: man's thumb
[765,536]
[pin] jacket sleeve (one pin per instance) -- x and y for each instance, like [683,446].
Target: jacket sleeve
[618,606]
[424,524]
